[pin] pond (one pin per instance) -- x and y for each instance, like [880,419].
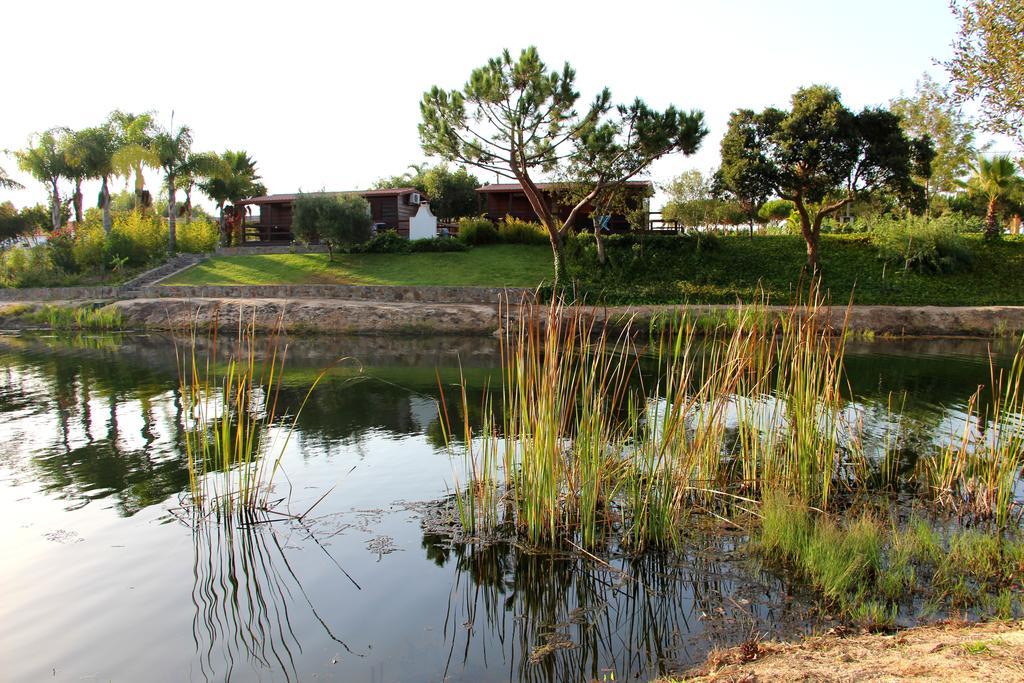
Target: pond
[102,580]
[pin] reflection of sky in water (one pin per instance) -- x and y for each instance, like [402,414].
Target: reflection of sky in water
[100,582]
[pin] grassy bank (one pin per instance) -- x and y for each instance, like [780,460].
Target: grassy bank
[736,267]
[499,266]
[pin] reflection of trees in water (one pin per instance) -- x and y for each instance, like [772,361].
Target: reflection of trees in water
[555,617]
[249,603]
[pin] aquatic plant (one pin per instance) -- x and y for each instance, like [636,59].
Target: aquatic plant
[588,443]
[232,438]
[91,318]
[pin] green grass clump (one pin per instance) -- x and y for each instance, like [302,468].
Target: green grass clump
[82,318]
[868,572]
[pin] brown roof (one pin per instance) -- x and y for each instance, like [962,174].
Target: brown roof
[289,198]
[517,187]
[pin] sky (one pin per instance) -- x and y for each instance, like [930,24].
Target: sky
[326,94]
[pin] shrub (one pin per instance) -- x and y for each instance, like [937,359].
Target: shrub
[515,231]
[437,244]
[338,221]
[199,236]
[922,245]
[23,266]
[475,231]
[384,242]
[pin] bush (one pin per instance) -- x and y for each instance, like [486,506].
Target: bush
[476,231]
[437,244]
[384,242]
[23,266]
[199,236]
[923,245]
[515,231]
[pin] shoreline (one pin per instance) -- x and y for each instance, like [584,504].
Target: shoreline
[950,651]
[314,316]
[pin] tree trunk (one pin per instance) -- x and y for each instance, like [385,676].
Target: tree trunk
[599,241]
[55,205]
[810,233]
[558,253]
[992,231]
[171,210]
[225,239]
[76,200]
[105,205]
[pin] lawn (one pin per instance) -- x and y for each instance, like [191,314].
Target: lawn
[493,266]
[737,268]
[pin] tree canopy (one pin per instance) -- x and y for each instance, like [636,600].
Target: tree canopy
[333,220]
[822,156]
[988,62]
[516,118]
[452,193]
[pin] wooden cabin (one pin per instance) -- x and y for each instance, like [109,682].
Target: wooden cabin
[390,209]
[508,199]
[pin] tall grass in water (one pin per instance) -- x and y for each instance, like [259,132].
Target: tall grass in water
[232,405]
[978,473]
[583,443]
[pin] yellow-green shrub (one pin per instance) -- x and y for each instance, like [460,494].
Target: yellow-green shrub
[201,235]
[515,231]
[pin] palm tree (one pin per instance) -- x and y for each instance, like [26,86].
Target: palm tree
[201,168]
[44,160]
[234,179]
[994,178]
[91,152]
[173,150]
[134,142]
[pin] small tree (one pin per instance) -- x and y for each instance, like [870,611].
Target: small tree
[517,119]
[334,220]
[743,177]
[233,179]
[821,156]
[90,154]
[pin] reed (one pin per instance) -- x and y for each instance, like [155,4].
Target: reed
[236,431]
[593,438]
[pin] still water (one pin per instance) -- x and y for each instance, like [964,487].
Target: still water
[100,580]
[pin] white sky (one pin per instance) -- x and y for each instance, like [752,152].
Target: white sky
[326,94]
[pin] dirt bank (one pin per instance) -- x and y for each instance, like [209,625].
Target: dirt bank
[946,652]
[339,316]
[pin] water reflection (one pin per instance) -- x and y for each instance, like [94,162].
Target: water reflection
[246,596]
[558,617]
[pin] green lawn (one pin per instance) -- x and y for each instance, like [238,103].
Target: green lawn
[736,269]
[497,266]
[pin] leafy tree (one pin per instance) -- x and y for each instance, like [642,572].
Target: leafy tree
[233,179]
[776,210]
[821,156]
[688,186]
[44,160]
[452,194]
[12,224]
[7,182]
[334,220]
[994,178]
[988,62]
[931,112]
[743,177]
[517,119]
[135,134]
